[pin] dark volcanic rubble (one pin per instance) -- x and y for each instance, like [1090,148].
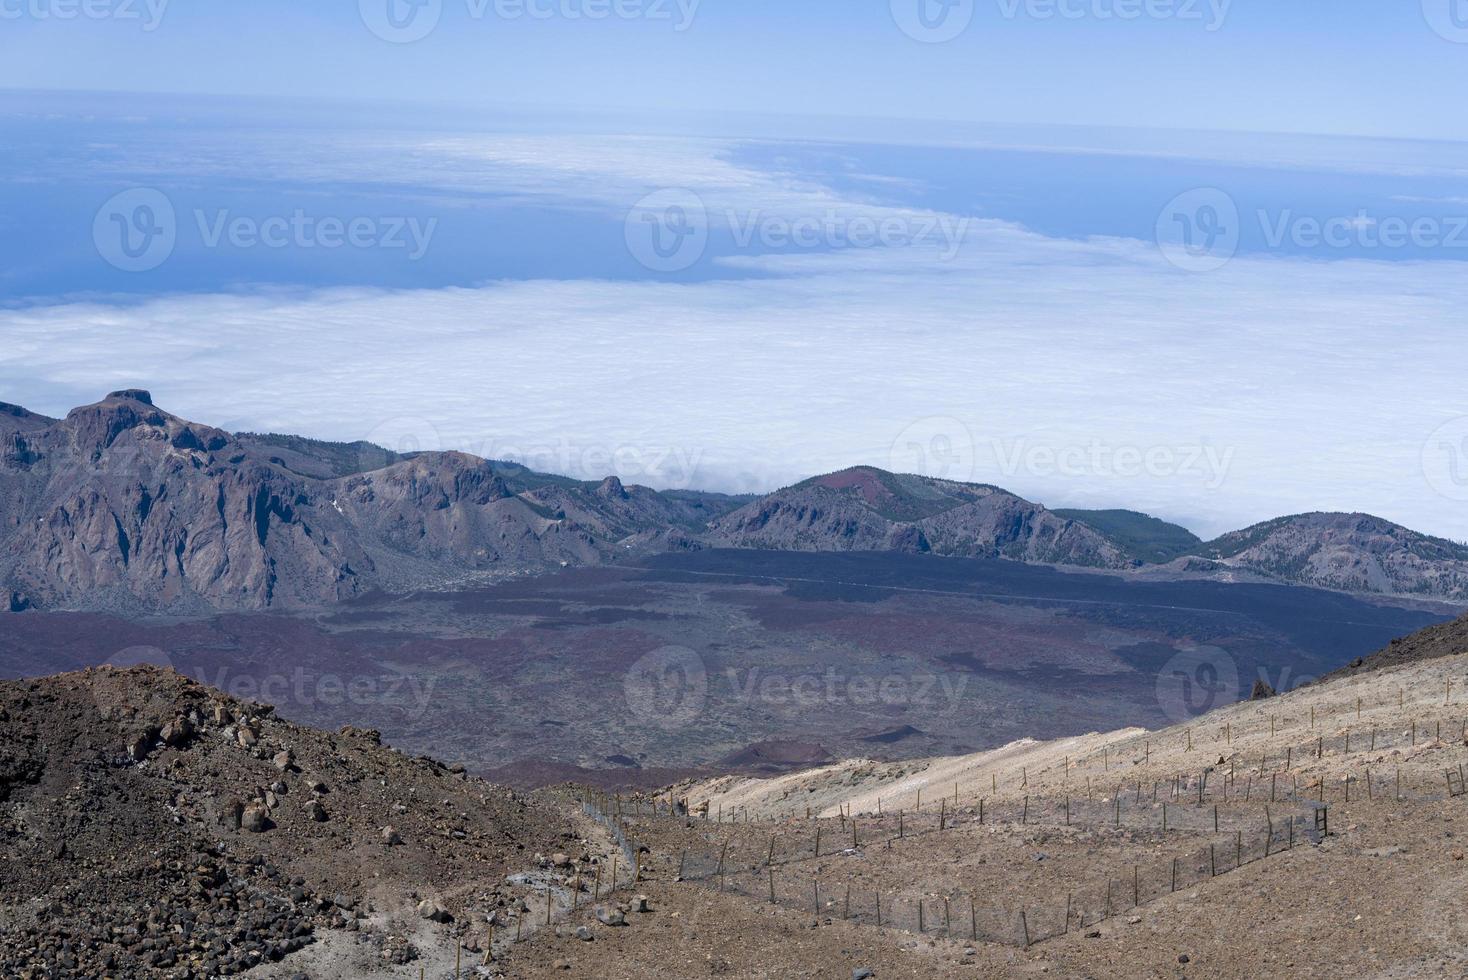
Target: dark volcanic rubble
[150,826]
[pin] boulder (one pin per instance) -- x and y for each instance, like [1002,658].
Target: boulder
[256,818]
[432,911]
[178,732]
[315,812]
[609,916]
[390,836]
[137,748]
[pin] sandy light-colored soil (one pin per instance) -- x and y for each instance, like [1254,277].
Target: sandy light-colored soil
[1381,895]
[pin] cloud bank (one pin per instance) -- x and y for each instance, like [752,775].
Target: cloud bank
[1078,373]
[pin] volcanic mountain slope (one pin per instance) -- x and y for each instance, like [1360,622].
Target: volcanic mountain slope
[153,827]
[1349,552]
[1142,535]
[866,509]
[1442,640]
[122,501]
[122,505]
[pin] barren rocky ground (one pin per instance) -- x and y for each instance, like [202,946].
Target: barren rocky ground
[152,827]
[1379,895]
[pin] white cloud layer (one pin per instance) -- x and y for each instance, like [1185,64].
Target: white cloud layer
[1077,373]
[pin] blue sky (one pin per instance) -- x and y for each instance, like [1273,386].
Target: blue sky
[1099,262]
[1359,67]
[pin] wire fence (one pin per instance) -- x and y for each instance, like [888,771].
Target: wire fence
[966,916]
[764,863]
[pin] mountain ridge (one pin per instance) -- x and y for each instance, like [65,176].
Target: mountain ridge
[123,506]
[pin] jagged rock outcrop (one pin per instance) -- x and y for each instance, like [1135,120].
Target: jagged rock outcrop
[124,506]
[122,502]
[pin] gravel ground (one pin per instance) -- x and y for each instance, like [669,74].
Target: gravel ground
[1382,896]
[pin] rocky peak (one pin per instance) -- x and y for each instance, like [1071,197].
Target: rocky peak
[132,394]
[98,425]
[611,489]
